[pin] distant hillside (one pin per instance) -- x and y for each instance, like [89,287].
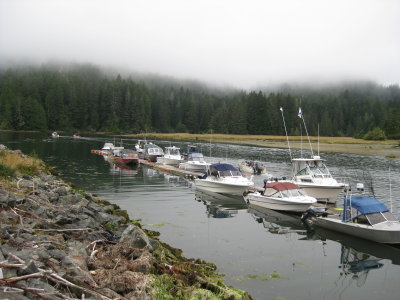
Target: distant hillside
[85,97]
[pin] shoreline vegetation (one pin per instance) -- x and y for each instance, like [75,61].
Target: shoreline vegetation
[386,148]
[59,242]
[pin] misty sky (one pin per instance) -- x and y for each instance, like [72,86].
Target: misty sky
[237,43]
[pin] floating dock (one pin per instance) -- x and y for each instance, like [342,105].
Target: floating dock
[171,169]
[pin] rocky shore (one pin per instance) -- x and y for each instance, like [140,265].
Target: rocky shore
[57,242]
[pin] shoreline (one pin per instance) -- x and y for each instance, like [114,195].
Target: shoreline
[388,148]
[59,242]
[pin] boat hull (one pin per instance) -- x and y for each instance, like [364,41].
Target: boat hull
[323,193]
[195,167]
[169,161]
[222,187]
[387,232]
[280,203]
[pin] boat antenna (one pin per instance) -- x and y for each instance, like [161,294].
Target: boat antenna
[318,139]
[287,137]
[300,115]
[390,192]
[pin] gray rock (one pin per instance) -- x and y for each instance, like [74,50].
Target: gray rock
[24,183]
[30,268]
[61,191]
[135,237]
[7,200]
[57,254]
[12,296]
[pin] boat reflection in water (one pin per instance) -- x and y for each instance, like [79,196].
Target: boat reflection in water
[220,205]
[123,170]
[357,258]
[277,222]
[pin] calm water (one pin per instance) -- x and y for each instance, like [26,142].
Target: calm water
[269,254]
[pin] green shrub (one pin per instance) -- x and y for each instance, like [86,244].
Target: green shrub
[375,134]
[6,171]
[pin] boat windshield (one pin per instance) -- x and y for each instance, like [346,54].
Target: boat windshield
[229,173]
[174,151]
[292,193]
[319,169]
[196,156]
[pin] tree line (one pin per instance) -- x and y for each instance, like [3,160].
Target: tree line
[88,99]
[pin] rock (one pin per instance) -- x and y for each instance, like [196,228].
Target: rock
[135,237]
[12,296]
[8,200]
[30,268]
[61,191]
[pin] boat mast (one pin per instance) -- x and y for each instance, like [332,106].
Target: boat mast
[300,115]
[287,137]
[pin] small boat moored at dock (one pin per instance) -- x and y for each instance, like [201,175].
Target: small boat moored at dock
[126,156]
[252,167]
[172,157]
[283,196]
[195,163]
[225,179]
[312,175]
[151,152]
[362,216]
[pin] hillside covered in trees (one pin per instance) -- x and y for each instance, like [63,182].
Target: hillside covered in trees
[86,98]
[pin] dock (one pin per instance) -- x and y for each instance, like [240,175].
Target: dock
[171,169]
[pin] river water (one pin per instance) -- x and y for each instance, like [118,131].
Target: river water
[270,255]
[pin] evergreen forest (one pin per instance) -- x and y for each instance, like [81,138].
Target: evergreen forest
[85,98]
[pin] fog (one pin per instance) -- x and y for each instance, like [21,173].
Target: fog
[236,43]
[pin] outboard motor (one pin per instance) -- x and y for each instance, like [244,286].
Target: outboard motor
[314,212]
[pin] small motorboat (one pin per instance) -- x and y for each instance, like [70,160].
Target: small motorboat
[109,149]
[55,135]
[76,136]
[312,175]
[225,179]
[282,196]
[172,157]
[151,152]
[195,163]
[362,216]
[126,156]
[252,167]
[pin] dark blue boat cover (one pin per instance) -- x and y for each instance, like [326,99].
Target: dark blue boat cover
[366,205]
[223,167]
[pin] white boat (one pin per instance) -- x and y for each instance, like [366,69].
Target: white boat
[172,157]
[55,135]
[195,163]
[283,196]
[362,216]
[225,179]
[139,146]
[312,175]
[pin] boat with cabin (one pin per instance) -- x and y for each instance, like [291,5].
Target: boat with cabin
[172,156]
[224,178]
[151,152]
[363,216]
[282,196]
[195,162]
[312,175]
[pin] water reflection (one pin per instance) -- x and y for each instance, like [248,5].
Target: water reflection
[277,222]
[220,205]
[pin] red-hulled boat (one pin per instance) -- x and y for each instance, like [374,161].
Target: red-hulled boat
[127,157]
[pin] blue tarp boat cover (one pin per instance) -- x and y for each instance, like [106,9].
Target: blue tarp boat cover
[366,205]
[223,167]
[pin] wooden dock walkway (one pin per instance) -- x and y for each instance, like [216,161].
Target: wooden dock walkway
[171,169]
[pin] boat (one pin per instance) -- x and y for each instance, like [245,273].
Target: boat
[172,157]
[252,167]
[195,162]
[126,156]
[312,175]
[151,152]
[363,216]
[224,178]
[76,136]
[282,196]
[55,135]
